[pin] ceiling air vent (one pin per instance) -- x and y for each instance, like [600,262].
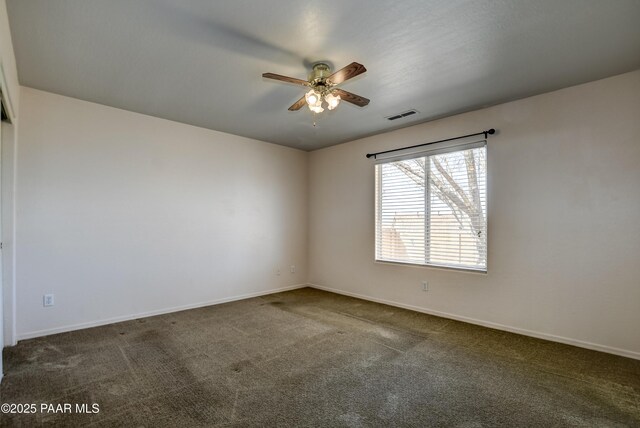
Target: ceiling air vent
[401,115]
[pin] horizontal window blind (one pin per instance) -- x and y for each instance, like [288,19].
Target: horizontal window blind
[431,209]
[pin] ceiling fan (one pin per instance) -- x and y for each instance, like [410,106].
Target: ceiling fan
[323,88]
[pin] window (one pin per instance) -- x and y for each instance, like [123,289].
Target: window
[431,208]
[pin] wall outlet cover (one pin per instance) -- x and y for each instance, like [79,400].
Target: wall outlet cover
[48,300]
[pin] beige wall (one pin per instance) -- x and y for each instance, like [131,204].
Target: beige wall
[121,214]
[564,210]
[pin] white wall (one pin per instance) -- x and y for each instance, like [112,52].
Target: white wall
[564,211]
[121,214]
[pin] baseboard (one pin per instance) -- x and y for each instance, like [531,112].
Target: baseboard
[539,335]
[64,329]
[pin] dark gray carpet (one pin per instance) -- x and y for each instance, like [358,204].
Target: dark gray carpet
[312,358]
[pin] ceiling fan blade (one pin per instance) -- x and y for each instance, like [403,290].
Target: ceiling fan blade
[351,98]
[285,79]
[348,72]
[298,104]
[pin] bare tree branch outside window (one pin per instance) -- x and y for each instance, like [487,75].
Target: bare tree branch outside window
[462,195]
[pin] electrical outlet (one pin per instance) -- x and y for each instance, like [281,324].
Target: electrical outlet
[292,269]
[278,271]
[47,300]
[425,286]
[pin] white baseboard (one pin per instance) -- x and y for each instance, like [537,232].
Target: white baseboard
[539,335]
[63,329]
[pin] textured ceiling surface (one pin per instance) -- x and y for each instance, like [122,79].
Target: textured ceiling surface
[200,61]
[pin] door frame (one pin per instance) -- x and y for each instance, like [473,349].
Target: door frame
[8,160]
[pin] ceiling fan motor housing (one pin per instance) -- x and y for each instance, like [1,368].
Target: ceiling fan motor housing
[320,73]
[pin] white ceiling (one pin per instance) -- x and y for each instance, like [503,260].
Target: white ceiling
[200,61]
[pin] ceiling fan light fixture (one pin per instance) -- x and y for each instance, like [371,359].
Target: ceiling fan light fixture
[313,98]
[332,101]
[316,108]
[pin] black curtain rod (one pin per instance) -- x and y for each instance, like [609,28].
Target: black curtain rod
[487,132]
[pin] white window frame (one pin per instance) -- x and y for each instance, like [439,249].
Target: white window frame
[439,148]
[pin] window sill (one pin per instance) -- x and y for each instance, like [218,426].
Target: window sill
[447,268]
